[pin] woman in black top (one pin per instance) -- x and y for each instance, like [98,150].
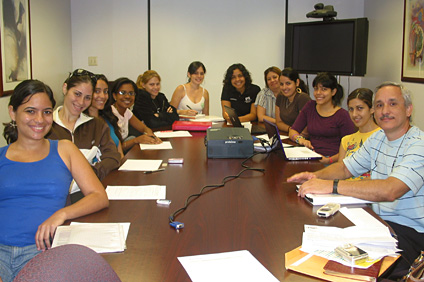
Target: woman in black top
[239,93]
[151,106]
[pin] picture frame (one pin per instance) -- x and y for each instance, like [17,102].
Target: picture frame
[413,42]
[15,44]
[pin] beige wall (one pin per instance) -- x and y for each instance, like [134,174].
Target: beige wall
[385,50]
[51,48]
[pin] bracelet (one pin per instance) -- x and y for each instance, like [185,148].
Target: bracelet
[298,137]
[331,159]
[335,184]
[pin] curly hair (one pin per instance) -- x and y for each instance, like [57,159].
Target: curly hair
[229,75]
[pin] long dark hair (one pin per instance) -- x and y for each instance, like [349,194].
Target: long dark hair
[229,74]
[293,76]
[107,113]
[329,81]
[21,95]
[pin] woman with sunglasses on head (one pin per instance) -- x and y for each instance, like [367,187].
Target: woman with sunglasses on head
[124,91]
[91,135]
[293,98]
[151,106]
[239,93]
[101,107]
[191,99]
[327,122]
[35,174]
[265,101]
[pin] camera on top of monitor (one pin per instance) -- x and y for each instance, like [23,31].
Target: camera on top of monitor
[327,12]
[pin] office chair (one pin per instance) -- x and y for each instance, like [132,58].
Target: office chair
[67,263]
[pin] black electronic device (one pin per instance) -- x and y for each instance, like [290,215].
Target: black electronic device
[338,46]
[235,121]
[228,143]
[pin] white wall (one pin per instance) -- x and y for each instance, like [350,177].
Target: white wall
[217,33]
[385,51]
[51,48]
[115,32]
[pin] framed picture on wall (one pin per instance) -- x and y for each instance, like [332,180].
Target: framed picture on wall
[15,44]
[413,41]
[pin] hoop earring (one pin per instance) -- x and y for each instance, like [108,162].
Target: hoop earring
[298,90]
[12,124]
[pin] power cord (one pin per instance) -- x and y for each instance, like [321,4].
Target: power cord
[178,225]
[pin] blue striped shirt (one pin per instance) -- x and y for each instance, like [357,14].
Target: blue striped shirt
[402,158]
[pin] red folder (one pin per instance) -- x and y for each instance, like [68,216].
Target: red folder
[191,125]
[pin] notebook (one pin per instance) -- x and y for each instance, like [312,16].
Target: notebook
[368,274]
[291,153]
[191,125]
[235,121]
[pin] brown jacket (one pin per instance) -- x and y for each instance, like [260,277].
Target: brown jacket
[89,132]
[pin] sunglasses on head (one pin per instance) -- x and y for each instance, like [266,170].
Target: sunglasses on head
[82,72]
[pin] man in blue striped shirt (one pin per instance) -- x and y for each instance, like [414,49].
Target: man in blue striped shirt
[395,158]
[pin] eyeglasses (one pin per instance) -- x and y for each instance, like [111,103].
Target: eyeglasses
[123,93]
[82,72]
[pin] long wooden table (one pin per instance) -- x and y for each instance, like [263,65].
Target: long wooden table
[258,212]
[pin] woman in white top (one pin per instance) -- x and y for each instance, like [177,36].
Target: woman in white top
[190,98]
[266,99]
[124,91]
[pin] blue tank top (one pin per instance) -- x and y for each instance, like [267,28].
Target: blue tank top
[29,194]
[112,133]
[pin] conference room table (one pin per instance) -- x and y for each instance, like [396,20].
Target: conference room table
[259,212]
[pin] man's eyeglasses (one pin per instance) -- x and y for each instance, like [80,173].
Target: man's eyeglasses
[123,93]
[82,72]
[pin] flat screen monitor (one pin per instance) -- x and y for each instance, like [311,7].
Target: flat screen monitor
[338,46]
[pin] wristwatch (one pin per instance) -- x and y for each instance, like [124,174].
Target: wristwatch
[335,184]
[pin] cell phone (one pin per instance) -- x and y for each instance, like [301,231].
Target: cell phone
[328,210]
[352,254]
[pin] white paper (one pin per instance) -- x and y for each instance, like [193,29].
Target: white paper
[162,146]
[230,266]
[171,134]
[209,118]
[125,226]
[360,217]
[100,237]
[141,165]
[322,240]
[145,192]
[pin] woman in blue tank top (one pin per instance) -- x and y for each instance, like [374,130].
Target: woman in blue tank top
[35,174]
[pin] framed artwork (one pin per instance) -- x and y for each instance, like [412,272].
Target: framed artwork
[15,44]
[413,41]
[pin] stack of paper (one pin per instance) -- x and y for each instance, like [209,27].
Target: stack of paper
[323,199]
[100,237]
[140,165]
[144,192]
[171,134]
[373,237]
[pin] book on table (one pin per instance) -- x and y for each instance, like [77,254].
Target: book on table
[363,274]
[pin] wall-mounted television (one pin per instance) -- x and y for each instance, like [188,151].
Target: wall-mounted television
[338,46]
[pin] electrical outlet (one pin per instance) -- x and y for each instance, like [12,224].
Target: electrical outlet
[92,61]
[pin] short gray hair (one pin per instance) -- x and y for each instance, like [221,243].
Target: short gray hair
[406,93]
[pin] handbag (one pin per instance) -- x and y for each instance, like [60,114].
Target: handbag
[416,272]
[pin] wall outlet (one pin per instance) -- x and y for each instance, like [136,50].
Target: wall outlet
[92,61]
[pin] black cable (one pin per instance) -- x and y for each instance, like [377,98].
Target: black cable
[214,186]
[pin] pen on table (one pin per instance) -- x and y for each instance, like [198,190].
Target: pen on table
[156,170]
